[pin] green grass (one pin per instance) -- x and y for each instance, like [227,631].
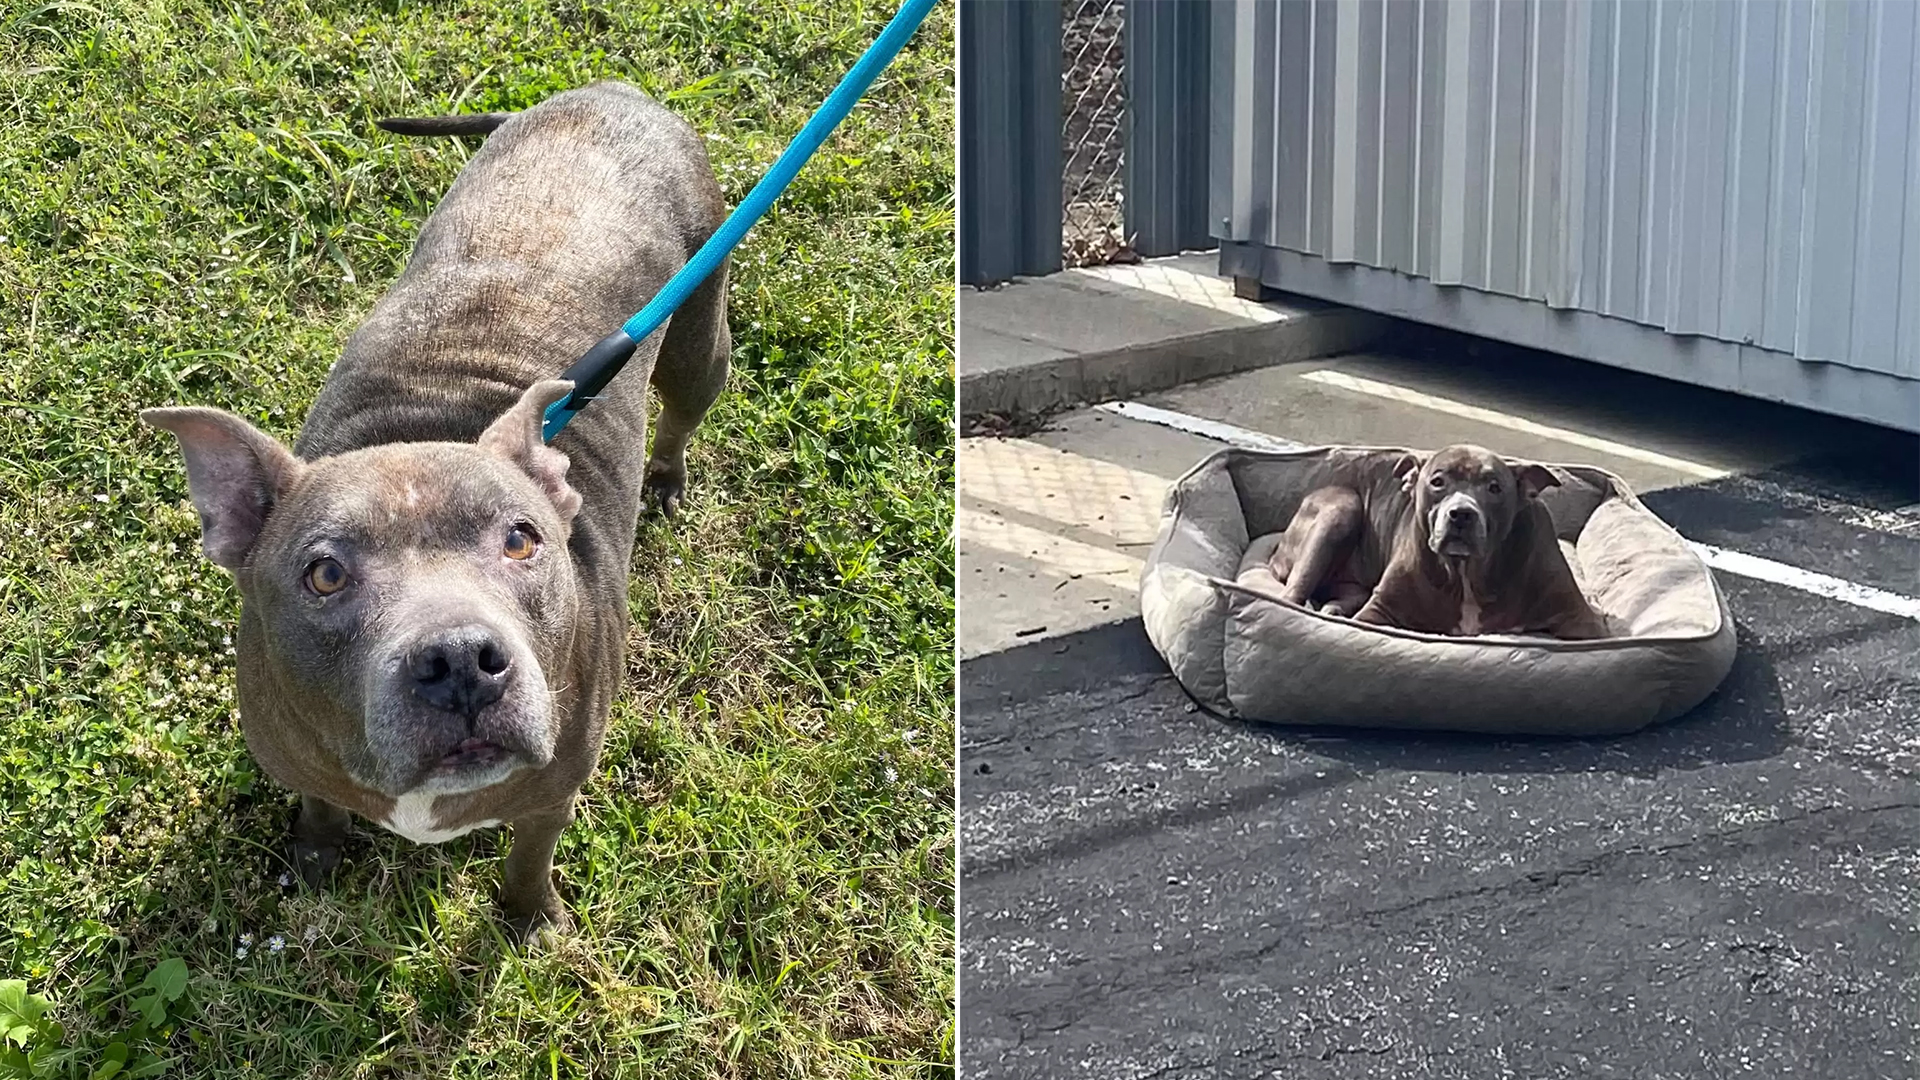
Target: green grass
[196,209]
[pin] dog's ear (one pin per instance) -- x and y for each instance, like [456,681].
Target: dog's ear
[516,436]
[235,473]
[1534,479]
[1408,470]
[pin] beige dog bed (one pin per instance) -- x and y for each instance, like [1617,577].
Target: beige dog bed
[1243,652]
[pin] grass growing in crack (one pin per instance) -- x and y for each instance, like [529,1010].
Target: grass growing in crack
[196,208]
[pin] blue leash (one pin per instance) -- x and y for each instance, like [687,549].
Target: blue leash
[591,373]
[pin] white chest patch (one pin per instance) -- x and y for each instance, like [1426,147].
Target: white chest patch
[1469,608]
[413,818]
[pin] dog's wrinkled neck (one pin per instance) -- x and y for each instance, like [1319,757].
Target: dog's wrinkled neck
[1504,559]
[1458,572]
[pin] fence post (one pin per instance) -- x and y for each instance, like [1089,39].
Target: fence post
[1169,85]
[1009,220]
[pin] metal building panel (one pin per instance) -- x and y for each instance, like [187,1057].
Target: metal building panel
[1791,137]
[1874,333]
[1595,230]
[1009,134]
[1429,145]
[1695,255]
[1833,182]
[1458,215]
[1394,204]
[1546,85]
[1323,61]
[1907,346]
[1269,67]
[1566,247]
[1660,216]
[1631,163]
[1748,230]
[1740,170]
[1345,76]
[1353,192]
[1167,125]
[1292,109]
[1476,203]
[1226,100]
[1509,143]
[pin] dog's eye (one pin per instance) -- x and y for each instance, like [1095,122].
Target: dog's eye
[326,577]
[521,543]
[1438,480]
[1493,487]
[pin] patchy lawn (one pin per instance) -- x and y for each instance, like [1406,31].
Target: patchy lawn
[197,209]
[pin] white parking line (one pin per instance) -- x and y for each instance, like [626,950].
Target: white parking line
[1833,588]
[1372,388]
[1731,562]
[1198,425]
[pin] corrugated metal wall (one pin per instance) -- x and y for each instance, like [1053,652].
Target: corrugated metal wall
[1742,171]
[1009,140]
[1169,78]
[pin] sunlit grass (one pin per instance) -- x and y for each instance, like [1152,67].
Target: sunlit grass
[197,209]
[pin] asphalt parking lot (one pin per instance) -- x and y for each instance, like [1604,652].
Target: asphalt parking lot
[1150,891]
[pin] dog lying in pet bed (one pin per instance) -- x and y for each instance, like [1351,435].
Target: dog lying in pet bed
[1382,587]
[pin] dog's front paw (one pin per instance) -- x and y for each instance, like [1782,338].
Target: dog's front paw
[313,860]
[538,920]
[318,835]
[665,485]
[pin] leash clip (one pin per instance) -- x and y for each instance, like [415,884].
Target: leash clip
[589,375]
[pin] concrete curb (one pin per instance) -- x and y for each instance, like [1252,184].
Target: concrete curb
[1108,375]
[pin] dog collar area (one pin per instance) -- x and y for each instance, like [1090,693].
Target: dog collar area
[589,375]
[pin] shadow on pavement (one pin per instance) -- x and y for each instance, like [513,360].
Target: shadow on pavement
[1745,720]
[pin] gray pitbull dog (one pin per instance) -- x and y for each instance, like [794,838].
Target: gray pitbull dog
[434,602]
[1457,544]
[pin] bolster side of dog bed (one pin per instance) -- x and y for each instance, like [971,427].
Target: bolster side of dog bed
[1202,533]
[1286,665]
[1657,590]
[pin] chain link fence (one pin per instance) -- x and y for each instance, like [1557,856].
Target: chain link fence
[1093,128]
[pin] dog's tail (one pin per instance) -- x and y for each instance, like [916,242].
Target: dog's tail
[460,124]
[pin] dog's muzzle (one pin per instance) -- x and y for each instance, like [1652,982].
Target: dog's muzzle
[461,671]
[458,707]
[1458,528]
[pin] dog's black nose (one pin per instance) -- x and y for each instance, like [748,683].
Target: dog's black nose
[461,671]
[1460,515]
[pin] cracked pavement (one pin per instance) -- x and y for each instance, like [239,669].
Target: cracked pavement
[1150,891]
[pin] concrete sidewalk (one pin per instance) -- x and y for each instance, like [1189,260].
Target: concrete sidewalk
[1099,333]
